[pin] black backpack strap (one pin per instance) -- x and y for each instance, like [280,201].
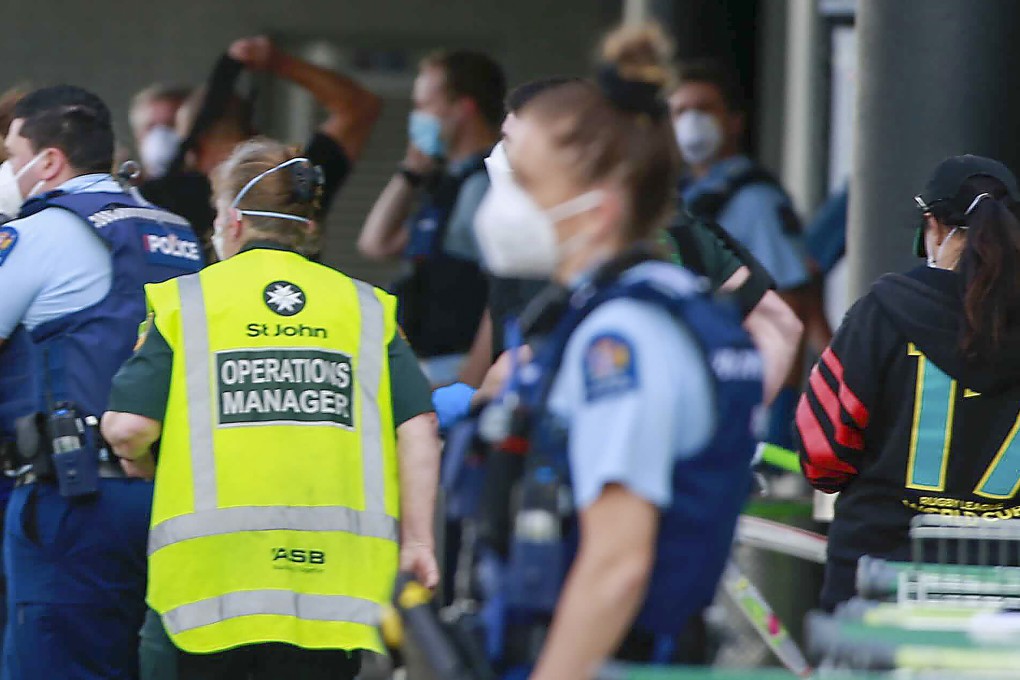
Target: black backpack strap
[709,205]
[756,285]
[681,231]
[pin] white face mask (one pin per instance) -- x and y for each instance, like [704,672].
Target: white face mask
[517,238]
[699,136]
[11,199]
[158,149]
[498,165]
[933,261]
[10,194]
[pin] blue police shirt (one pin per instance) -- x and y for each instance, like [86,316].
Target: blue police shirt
[57,263]
[636,395]
[753,216]
[825,237]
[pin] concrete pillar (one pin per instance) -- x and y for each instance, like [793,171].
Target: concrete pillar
[936,78]
[804,113]
[637,11]
[768,113]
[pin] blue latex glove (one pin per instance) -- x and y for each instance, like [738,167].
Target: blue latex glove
[452,403]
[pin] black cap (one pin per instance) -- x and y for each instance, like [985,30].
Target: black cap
[949,176]
[944,184]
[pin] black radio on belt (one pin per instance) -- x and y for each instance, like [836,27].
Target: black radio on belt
[75,459]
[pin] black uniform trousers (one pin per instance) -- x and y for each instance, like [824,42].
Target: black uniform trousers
[270,661]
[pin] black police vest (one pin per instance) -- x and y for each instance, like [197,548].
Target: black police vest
[441,302]
[710,204]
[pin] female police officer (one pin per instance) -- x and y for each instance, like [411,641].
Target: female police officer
[913,407]
[652,385]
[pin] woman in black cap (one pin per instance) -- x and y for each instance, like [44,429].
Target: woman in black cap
[913,408]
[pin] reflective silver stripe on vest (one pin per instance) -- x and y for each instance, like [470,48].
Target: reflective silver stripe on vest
[369,373]
[271,518]
[279,602]
[195,329]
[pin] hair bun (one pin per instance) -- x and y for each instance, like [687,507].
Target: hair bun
[636,67]
[640,53]
[307,181]
[632,96]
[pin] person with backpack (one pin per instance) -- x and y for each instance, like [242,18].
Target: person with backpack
[724,185]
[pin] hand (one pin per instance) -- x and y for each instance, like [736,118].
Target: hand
[257,53]
[140,468]
[499,373]
[416,161]
[420,559]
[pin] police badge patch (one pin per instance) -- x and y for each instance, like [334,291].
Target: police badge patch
[8,239]
[609,366]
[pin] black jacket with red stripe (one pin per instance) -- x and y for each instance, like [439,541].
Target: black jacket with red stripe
[900,423]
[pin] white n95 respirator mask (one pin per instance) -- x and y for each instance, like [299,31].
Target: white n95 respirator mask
[11,198]
[699,136]
[518,239]
[497,165]
[158,149]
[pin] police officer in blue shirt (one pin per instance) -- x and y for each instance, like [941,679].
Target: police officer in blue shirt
[725,186]
[639,405]
[72,267]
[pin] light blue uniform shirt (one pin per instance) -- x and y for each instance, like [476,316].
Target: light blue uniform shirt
[753,216]
[58,265]
[636,395]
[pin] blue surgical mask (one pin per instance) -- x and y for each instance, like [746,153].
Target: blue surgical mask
[425,132]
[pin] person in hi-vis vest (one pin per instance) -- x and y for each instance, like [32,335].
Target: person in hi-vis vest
[298,460]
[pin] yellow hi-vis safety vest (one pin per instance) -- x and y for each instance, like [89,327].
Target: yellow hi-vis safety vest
[275,517]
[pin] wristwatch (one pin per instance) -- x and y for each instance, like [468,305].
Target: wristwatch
[413,178]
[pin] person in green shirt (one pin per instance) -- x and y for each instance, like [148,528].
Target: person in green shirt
[141,390]
[142,387]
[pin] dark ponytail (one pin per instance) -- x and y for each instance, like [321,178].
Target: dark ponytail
[990,264]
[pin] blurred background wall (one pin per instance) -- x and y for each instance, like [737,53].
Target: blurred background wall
[116,47]
[797,60]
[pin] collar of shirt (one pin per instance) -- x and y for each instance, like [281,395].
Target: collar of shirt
[267,245]
[92,182]
[461,167]
[716,178]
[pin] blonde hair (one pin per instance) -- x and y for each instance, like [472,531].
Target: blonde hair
[606,136]
[641,52]
[291,191]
